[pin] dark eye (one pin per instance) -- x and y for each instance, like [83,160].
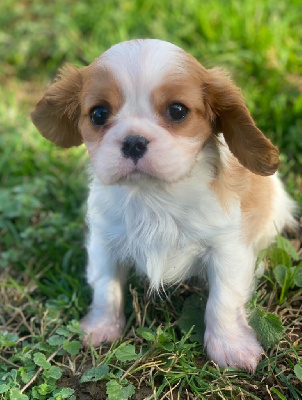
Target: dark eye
[177,112]
[99,115]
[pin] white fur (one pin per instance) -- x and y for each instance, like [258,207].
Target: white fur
[161,215]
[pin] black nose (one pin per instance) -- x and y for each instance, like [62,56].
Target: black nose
[134,147]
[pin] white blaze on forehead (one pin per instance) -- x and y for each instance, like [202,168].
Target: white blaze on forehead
[140,65]
[142,60]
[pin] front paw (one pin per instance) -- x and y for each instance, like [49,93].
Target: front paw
[238,349]
[102,329]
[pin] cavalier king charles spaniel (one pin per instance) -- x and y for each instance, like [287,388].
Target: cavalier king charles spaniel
[182,182]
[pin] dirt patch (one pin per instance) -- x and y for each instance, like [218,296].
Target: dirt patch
[84,391]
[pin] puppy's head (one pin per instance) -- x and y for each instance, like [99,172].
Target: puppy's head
[146,108]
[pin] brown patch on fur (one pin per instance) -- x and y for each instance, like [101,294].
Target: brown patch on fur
[185,90]
[255,194]
[57,114]
[256,206]
[245,140]
[62,115]
[228,114]
[99,88]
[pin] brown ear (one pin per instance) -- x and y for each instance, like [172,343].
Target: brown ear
[57,113]
[230,116]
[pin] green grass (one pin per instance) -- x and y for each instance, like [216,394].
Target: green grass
[43,292]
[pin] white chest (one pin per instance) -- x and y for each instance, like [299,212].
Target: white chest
[165,233]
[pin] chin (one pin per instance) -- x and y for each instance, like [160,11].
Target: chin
[137,177]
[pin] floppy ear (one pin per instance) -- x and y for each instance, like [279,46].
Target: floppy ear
[230,116]
[57,114]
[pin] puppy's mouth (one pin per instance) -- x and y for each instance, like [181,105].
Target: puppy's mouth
[136,176]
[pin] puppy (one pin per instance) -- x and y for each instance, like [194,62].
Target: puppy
[182,181]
